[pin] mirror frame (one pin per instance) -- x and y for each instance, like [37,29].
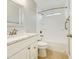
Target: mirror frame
[21,13]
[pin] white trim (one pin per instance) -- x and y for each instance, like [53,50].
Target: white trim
[20,8]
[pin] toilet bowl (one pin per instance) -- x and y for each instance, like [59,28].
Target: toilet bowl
[42,46]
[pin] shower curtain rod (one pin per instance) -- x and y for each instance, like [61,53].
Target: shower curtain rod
[52,9]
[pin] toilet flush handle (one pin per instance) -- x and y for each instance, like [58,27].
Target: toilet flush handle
[29,48]
[40,32]
[34,47]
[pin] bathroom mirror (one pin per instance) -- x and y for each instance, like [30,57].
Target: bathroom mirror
[14,12]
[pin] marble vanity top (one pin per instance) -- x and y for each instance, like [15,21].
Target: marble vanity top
[19,37]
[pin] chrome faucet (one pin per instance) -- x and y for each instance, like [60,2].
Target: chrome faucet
[13,31]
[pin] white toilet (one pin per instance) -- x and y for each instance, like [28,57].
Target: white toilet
[42,46]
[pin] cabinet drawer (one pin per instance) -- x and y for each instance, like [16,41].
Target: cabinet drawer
[18,46]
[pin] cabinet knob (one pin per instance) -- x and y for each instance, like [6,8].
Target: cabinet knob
[34,47]
[29,48]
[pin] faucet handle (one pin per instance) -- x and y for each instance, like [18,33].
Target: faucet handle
[10,33]
[14,31]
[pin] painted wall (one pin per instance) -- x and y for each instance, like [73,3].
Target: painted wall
[30,16]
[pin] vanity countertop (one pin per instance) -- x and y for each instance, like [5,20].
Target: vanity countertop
[19,37]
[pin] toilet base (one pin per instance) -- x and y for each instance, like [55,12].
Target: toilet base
[42,53]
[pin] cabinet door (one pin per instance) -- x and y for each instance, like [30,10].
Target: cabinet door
[31,52]
[34,51]
[23,54]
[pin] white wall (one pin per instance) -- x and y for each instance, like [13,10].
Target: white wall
[30,16]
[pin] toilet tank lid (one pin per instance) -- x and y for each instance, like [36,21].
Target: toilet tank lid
[42,43]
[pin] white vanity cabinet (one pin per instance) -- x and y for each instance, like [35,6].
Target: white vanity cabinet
[20,55]
[24,49]
[34,51]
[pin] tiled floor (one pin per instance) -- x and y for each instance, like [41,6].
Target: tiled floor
[54,55]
